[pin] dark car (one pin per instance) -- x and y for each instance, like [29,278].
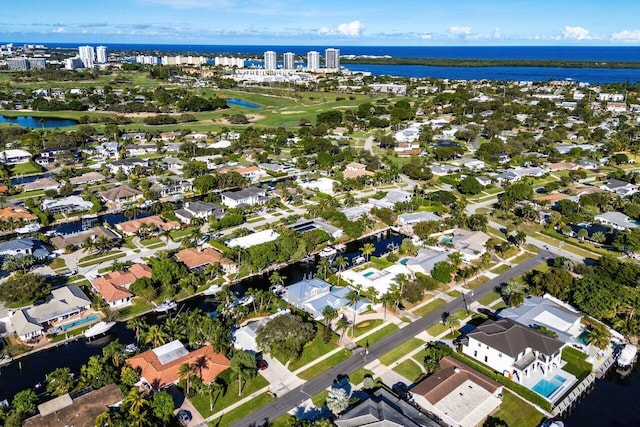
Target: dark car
[184,417]
[262,364]
[400,389]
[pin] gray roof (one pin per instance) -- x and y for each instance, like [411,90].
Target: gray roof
[616,218]
[543,312]
[512,338]
[199,206]
[244,193]
[427,259]
[409,218]
[298,293]
[24,324]
[395,196]
[27,245]
[616,183]
[383,409]
[66,300]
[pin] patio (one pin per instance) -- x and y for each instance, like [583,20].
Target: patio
[551,386]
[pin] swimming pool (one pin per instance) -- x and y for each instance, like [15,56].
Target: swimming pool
[404,261]
[583,338]
[546,387]
[368,273]
[446,240]
[88,319]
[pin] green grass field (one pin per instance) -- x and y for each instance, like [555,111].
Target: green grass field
[378,335]
[325,364]
[515,412]
[402,350]
[428,308]
[409,369]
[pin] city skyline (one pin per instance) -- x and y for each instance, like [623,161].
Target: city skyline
[294,22]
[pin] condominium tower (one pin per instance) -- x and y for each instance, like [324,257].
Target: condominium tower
[289,61]
[332,58]
[313,60]
[87,56]
[101,54]
[270,60]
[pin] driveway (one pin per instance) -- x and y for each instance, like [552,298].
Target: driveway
[281,380]
[181,402]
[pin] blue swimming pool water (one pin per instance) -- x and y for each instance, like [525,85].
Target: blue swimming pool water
[446,240]
[404,261]
[546,387]
[68,326]
[583,338]
[368,273]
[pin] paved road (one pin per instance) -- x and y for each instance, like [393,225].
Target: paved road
[296,396]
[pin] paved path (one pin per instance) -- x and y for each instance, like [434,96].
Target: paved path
[295,397]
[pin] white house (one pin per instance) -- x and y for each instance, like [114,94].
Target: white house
[14,157]
[249,196]
[391,198]
[254,239]
[514,350]
[67,205]
[198,209]
[622,188]
[617,220]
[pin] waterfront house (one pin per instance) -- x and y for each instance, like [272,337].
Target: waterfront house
[87,178]
[253,239]
[75,239]
[160,367]
[249,196]
[416,217]
[391,198]
[425,260]
[471,244]
[617,220]
[114,287]
[513,349]
[131,227]
[17,213]
[66,205]
[458,394]
[251,173]
[25,246]
[14,157]
[42,184]
[199,209]
[200,258]
[121,194]
[244,337]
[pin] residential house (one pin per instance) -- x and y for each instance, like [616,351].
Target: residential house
[458,394]
[356,170]
[380,280]
[114,287]
[67,205]
[42,184]
[317,223]
[391,198]
[87,178]
[313,295]
[416,217]
[471,244]
[425,260]
[160,367]
[66,301]
[252,173]
[199,209]
[483,180]
[249,196]
[513,349]
[137,136]
[82,410]
[621,188]
[171,186]
[441,170]
[122,194]
[383,408]
[550,313]
[52,155]
[174,164]
[127,166]
[244,338]
[199,258]
[474,164]
[16,213]
[108,150]
[14,157]
[131,227]
[616,220]
[75,240]
[140,149]
[24,246]
[354,213]
[253,239]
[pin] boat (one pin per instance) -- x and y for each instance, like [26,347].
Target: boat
[278,289]
[29,228]
[212,290]
[340,247]
[308,258]
[358,260]
[130,348]
[328,252]
[98,328]
[627,356]
[166,306]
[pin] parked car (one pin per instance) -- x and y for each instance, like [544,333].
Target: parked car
[184,417]
[262,364]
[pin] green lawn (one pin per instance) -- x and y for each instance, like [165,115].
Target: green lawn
[139,305]
[409,369]
[229,395]
[437,329]
[357,377]
[502,269]
[26,168]
[576,363]
[58,264]
[477,282]
[242,410]
[98,258]
[366,326]
[428,308]
[454,294]
[179,234]
[325,364]
[311,352]
[378,335]
[402,350]
[151,242]
[521,258]
[319,399]
[515,412]
[489,298]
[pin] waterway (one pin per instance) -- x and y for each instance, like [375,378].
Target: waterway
[34,122]
[32,369]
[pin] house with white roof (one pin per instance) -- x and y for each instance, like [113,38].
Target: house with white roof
[471,244]
[198,209]
[619,187]
[381,280]
[391,198]
[616,220]
[69,204]
[416,217]
[248,196]
[14,157]
[253,239]
[425,260]
[244,338]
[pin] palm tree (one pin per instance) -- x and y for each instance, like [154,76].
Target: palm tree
[324,268]
[516,299]
[138,326]
[353,297]
[243,365]
[135,401]
[113,352]
[453,323]
[155,336]
[217,388]
[342,326]
[131,212]
[455,258]
[329,313]
[367,250]
[186,372]
[277,279]
[600,336]
[88,244]
[341,262]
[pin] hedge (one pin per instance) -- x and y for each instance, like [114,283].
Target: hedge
[527,394]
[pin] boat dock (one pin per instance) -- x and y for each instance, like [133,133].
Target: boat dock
[568,402]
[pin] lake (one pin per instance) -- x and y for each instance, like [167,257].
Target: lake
[242,103]
[34,122]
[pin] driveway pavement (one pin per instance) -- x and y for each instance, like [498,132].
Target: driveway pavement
[281,380]
[181,402]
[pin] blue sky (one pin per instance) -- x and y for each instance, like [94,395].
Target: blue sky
[337,22]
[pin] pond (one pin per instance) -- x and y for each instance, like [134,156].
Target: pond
[242,103]
[34,122]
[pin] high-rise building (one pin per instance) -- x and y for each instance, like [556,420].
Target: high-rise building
[289,61]
[101,54]
[332,58]
[270,60]
[73,63]
[313,60]
[18,64]
[87,55]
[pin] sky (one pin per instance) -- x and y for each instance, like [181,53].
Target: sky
[330,22]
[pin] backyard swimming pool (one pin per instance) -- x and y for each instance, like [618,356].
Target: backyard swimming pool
[368,273]
[67,326]
[546,387]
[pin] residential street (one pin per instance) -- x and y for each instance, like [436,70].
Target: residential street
[309,389]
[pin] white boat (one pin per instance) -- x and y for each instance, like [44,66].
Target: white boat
[308,258]
[627,356]
[340,247]
[130,348]
[29,228]
[278,289]
[328,252]
[358,260]
[166,306]
[98,328]
[212,290]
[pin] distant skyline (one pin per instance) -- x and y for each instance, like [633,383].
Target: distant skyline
[327,22]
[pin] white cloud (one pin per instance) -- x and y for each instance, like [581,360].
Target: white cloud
[496,33]
[576,33]
[626,36]
[460,31]
[59,30]
[425,36]
[350,29]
